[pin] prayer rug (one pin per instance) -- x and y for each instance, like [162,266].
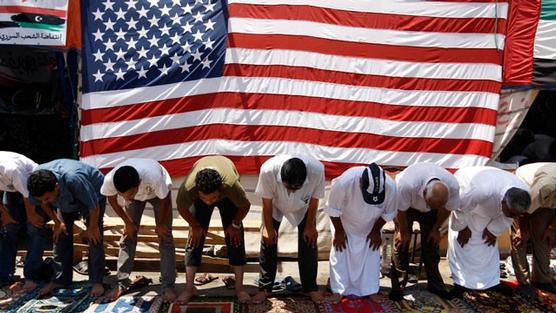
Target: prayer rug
[359,305]
[73,299]
[544,301]
[13,301]
[205,305]
[494,302]
[142,304]
[424,301]
[7,297]
[286,304]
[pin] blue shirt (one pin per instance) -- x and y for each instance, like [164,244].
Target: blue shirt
[79,185]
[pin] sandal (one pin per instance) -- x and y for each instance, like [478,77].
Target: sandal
[82,268]
[278,286]
[291,284]
[229,282]
[204,279]
[139,282]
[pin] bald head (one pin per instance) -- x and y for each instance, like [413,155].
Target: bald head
[436,194]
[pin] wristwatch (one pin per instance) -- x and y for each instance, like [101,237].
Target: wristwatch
[237,226]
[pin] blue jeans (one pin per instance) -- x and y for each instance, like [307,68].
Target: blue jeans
[11,235]
[63,250]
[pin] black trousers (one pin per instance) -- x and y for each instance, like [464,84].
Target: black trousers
[203,212]
[307,261]
[429,253]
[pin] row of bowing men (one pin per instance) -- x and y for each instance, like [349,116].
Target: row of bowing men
[480,203]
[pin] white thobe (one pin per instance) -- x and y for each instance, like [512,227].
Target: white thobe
[482,189]
[356,270]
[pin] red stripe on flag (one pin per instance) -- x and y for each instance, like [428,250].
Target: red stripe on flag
[293,103]
[32,10]
[287,134]
[368,19]
[520,42]
[354,79]
[365,50]
[250,165]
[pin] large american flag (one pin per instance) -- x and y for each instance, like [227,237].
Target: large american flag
[346,81]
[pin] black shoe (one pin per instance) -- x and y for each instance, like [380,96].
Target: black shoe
[503,289]
[396,295]
[525,291]
[442,293]
[457,291]
[548,287]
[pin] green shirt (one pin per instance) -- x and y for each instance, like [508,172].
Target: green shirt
[231,188]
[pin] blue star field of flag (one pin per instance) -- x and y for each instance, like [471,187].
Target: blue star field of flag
[136,43]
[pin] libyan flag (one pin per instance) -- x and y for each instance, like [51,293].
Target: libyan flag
[544,64]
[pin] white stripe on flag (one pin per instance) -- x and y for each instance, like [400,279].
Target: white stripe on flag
[545,40]
[286,86]
[365,35]
[355,124]
[266,148]
[400,7]
[469,71]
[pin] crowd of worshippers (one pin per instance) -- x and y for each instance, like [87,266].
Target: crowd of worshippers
[480,203]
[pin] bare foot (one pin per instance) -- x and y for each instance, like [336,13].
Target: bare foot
[259,297]
[6,302]
[114,294]
[335,298]
[27,287]
[186,295]
[316,296]
[242,296]
[97,290]
[375,298]
[46,290]
[169,295]
[16,287]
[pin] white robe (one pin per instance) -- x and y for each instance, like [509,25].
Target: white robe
[356,270]
[482,189]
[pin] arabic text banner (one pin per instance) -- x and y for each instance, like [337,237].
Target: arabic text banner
[41,22]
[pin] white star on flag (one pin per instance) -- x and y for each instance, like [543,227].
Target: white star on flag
[98,76]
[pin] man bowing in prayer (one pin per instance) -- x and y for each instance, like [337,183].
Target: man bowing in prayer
[361,201]
[426,194]
[69,190]
[538,227]
[490,199]
[290,187]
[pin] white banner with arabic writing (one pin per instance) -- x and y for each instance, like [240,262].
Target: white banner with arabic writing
[513,107]
[33,22]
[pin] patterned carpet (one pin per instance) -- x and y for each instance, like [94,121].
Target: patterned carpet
[72,299]
[285,304]
[357,305]
[139,304]
[76,299]
[424,301]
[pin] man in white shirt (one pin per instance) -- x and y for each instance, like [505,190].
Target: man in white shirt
[538,227]
[361,201]
[490,199]
[290,187]
[139,181]
[426,193]
[17,215]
